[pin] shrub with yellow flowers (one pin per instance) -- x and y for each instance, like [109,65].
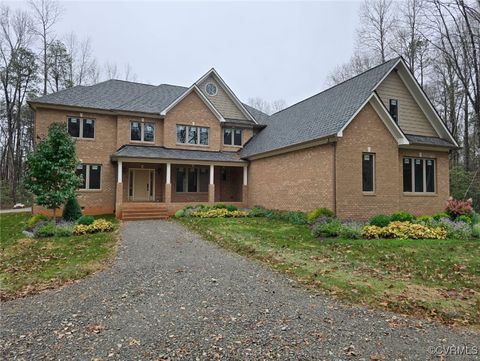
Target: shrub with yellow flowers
[219,212]
[99,225]
[405,230]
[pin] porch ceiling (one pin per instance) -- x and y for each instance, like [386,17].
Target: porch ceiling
[155,153]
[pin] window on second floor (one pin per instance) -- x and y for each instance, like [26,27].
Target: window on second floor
[90,174]
[393,109]
[232,136]
[81,127]
[142,132]
[189,134]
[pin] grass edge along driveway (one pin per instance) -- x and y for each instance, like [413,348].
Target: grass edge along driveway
[430,279]
[28,266]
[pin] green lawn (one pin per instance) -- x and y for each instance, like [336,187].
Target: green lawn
[428,278]
[31,265]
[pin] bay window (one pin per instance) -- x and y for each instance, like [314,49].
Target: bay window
[418,175]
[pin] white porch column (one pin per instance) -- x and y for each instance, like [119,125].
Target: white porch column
[168,186]
[169,173]
[211,186]
[245,186]
[119,171]
[245,175]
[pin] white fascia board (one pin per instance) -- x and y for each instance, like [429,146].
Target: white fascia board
[387,119]
[201,95]
[422,100]
[229,91]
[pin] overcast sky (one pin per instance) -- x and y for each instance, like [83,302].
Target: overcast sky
[273,50]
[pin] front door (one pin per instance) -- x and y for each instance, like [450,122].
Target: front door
[142,185]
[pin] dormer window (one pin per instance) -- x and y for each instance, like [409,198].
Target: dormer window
[394,109]
[232,136]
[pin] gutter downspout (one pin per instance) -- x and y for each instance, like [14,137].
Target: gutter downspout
[334,177]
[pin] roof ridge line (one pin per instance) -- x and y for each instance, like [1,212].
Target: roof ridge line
[126,81]
[334,86]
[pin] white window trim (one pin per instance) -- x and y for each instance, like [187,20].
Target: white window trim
[187,127]
[87,178]
[232,144]
[142,132]
[374,173]
[80,130]
[424,176]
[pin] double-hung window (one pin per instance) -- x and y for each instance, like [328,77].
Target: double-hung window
[189,134]
[418,175]
[81,127]
[192,180]
[368,172]
[232,136]
[91,175]
[142,132]
[393,109]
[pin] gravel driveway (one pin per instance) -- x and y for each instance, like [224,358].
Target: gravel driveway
[172,295]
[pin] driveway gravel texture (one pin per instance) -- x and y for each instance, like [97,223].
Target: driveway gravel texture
[172,295]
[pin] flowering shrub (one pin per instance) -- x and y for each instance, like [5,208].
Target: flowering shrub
[457,207]
[320,212]
[456,229]
[99,225]
[219,212]
[405,230]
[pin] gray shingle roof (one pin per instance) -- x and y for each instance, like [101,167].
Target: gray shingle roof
[127,96]
[139,151]
[423,140]
[321,115]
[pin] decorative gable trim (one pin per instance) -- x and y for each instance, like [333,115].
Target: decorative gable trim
[229,92]
[194,88]
[422,100]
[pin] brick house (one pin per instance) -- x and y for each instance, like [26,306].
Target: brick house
[372,144]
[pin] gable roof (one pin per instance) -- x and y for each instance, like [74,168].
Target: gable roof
[321,115]
[121,95]
[329,112]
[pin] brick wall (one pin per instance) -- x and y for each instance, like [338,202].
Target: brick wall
[300,180]
[96,151]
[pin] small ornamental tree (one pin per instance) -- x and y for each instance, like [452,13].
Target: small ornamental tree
[50,172]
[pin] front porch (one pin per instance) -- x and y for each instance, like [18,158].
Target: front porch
[155,190]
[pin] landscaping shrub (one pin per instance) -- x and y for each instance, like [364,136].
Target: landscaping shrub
[231,207]
[439,216]
[464,218]
[219,212]
[476,230]
[475,218]
[72,210]
[401,216]
[425,220]
[328,229]
[404,230]
[379,220]
[456,229]
[351,230]
[257,211]
[33,220]
[219,206]
[180,213]
[63,230]
[86,220]
[457,207]
[319,212]
[297,217]
[47,230]
[99,225]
